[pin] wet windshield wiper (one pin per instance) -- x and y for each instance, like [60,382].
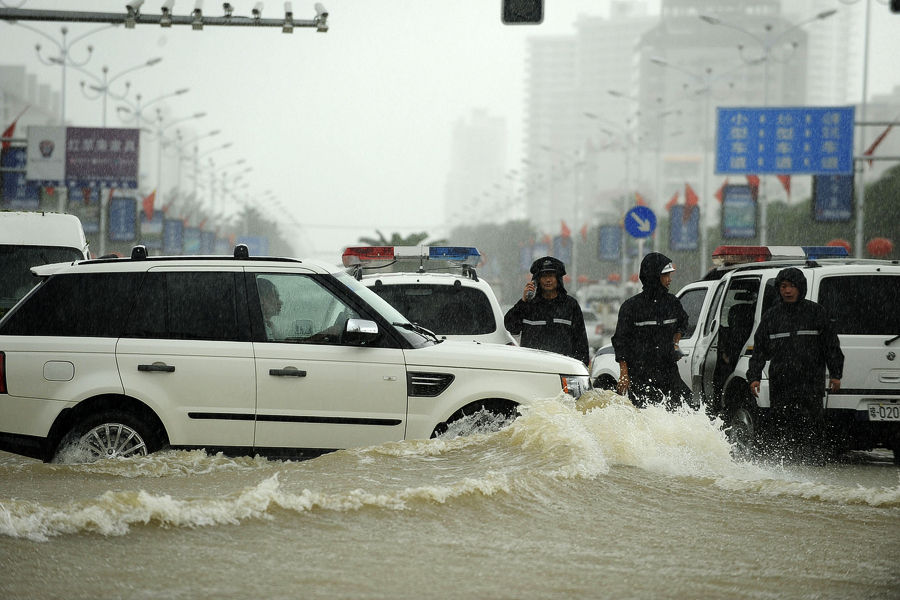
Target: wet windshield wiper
[892,340]
[426,333]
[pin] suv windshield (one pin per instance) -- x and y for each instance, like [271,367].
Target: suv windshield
[16,278]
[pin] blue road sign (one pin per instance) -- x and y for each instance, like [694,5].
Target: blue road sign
[738,212]
[833,197]
[609,243]
[122,219]
[640,222]
[811,140]
[684,227]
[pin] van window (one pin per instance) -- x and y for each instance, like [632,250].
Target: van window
[692,302]
[862,304]
[89,305]
[16,278]
[191,306]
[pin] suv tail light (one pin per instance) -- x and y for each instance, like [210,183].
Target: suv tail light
[3,373]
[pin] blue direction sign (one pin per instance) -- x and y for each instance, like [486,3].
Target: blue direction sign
[783,140]
[640,222]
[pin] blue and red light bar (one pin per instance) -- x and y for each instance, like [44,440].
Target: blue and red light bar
[736,255]
[373,256]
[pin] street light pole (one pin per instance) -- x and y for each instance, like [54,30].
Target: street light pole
[105,82]
[137,108]
[160,141]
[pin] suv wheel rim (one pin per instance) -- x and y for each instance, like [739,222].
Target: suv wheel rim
[111,440]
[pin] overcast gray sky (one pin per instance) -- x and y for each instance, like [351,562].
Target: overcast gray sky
[350,128]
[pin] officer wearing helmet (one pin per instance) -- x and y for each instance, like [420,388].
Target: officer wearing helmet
[547,317]
[648,330]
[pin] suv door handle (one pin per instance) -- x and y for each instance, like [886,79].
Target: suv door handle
[157,367]
[287,372]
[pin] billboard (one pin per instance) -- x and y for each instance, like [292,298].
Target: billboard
[832,197]
[684,227]
[738,212]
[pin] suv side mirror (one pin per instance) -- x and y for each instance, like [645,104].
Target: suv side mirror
[360,331]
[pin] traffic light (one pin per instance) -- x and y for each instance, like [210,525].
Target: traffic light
[523,12]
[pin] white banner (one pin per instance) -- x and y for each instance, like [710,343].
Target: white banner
[46,154]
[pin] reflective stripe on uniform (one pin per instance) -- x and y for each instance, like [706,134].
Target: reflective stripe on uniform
[527,322]
[808,332]
[670,321]
[644,323]
[776,336]
[563,321]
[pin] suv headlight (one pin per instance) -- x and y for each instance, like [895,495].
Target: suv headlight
[575,385]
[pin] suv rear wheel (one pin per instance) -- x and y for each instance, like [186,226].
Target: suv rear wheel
[108,434]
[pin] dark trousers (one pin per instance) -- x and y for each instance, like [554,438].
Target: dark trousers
[657,386]
[795,428]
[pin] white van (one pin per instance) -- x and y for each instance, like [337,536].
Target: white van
[28,239]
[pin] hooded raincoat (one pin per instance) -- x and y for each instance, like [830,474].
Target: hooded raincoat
[556,324]
[645,337]
[799,340]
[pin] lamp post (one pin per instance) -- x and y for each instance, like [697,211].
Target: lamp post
[64,58]
[706,79]
[137,108]
[105,81]
[767,42]
[160,141]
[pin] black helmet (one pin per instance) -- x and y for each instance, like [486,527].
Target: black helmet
[548,264]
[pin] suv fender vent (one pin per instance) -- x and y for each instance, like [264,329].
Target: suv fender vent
[427,385]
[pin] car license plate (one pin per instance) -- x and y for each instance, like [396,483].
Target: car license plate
[884,412]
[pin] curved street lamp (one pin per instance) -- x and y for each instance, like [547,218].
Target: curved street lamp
[137,108]
[104,82]
[161,141]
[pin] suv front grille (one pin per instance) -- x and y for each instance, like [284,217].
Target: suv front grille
[427,385]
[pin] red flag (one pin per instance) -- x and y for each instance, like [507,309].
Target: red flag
[202,223]
[564,230]
[639,200]
[672,202]
[721,191]
[11,130]
[786,183]
[690,197]
[148,205]
[584,232]
[871,149]
[753,180]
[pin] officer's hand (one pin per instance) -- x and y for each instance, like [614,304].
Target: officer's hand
[754,388]
[624,380]
[834,385]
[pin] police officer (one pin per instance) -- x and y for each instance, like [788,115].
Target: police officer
[797,337]
[547,316]
[648,330]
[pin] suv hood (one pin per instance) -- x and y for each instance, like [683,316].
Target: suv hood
[469,355]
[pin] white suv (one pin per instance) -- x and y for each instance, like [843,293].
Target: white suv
[861,299]
[275,356]
[433,286]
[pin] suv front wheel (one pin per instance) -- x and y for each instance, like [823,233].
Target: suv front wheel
[107,434]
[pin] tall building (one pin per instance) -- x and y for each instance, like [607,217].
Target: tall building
[21,91]
[576,131]
[476,185]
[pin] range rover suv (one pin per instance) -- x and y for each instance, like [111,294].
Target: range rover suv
[281,357]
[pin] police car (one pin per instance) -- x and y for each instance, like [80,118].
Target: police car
[860,296]
[436,287]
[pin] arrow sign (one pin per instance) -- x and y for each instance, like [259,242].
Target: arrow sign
[640,222]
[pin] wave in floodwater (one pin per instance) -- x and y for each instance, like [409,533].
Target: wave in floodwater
[552,440]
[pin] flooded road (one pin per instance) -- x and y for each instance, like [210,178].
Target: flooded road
[594,499]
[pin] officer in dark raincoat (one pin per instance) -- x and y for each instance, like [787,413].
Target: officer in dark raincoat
[649,328]
[797,336]
[547,316]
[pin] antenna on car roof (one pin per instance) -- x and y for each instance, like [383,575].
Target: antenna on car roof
[241,251]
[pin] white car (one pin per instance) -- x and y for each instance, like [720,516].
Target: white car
[436,287]
[695,298]
[120,357]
